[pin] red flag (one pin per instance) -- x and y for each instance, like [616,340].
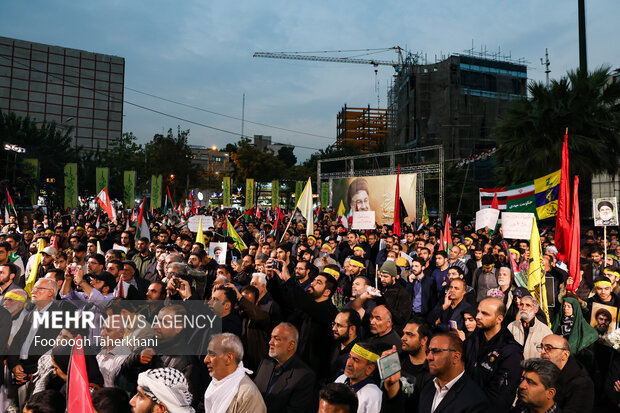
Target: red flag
[562,220]
[495,204]
[573,242]
[441,247]
[397,229]
[78,392]
[106,204]
[258,214]
[191,201]
[446,234]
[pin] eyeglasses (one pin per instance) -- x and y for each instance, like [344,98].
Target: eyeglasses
[337,325]
[435,351]
[548,348]
[36,288]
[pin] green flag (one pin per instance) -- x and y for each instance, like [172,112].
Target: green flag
[71,189]
[103,178]
[249,193]
[275,193]
[299,188]
[324,195]
[156,181]
[226,191]
[129,189]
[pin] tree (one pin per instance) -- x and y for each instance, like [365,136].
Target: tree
[253,163]
[171,157]
[43,141]
[286,155]
[531,134]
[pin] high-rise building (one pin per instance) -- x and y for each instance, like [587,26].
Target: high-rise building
[75,88]
[455,102]
[364,128]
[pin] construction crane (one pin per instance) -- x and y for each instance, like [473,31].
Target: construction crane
[411,58]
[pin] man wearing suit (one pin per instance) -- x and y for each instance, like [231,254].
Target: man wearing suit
[451,390]
[422,290]
[284,380]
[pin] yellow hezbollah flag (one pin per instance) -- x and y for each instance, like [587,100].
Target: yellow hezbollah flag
[32,278]
[341,209]
[200,236]
[425,219]
[546,191]
[239,244]
[535,276]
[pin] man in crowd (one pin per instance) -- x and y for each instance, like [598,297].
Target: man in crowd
[162,390]
[528,331]
[539,387]
[358,374]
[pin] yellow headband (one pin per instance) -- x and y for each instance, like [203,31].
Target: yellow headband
[14,296]
[331,272]
[356,263]
[329,247]
[515,251]
[362,352]
[614,273]
[602,283]
[312,237]
[463,247]
[467,238]
[358,249]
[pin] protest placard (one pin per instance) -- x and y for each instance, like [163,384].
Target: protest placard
[363,220]
[487,218]
[517,225]
[207,222]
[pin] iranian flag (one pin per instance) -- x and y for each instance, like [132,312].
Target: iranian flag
[106,204]
[142,229]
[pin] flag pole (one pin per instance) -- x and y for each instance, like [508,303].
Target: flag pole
[289,223]
[605,242]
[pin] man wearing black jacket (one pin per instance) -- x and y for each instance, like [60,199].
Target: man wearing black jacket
[493,357]
[422,289]
[576,394]
[313,316]
[395,296]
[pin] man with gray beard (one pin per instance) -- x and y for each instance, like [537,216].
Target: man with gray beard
[528,331]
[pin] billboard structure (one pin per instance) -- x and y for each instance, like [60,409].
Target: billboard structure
[424,162]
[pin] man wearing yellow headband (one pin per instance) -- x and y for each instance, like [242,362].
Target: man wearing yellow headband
[604,294]
[358,374]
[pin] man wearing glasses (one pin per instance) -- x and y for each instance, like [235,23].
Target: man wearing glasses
[451,390]
[577,393]
[24,352]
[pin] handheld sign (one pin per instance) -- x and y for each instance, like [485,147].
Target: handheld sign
[517,225]
[207,222]
[487,218]
[363,220]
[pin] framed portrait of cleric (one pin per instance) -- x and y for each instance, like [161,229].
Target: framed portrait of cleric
[603,318]
[217,250]
[605,212]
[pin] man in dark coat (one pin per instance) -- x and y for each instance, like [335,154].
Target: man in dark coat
[493,357]
[284,380]
[576,394]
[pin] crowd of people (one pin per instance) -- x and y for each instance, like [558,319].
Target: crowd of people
[306,319]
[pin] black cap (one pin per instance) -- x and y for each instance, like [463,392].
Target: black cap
[106,277]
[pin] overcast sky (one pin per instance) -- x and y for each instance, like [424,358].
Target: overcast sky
[200,53]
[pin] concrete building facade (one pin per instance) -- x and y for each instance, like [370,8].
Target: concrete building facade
[71,87]
[455,102]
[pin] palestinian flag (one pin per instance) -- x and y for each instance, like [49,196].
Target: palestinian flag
[167,201]
[142,229]
[9,201]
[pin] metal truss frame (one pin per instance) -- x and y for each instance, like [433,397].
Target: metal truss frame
[418,168]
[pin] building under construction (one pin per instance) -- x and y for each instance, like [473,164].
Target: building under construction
[364,128]
[455,102]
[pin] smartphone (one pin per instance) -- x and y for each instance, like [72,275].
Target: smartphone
[262,234]
[323,254]
[276,265]
[452,325]
[176,282]
[388,365]
[234,259]
[73,269]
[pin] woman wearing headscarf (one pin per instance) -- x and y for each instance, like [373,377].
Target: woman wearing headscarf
[571,324]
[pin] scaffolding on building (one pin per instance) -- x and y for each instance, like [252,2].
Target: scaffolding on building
[363,128]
